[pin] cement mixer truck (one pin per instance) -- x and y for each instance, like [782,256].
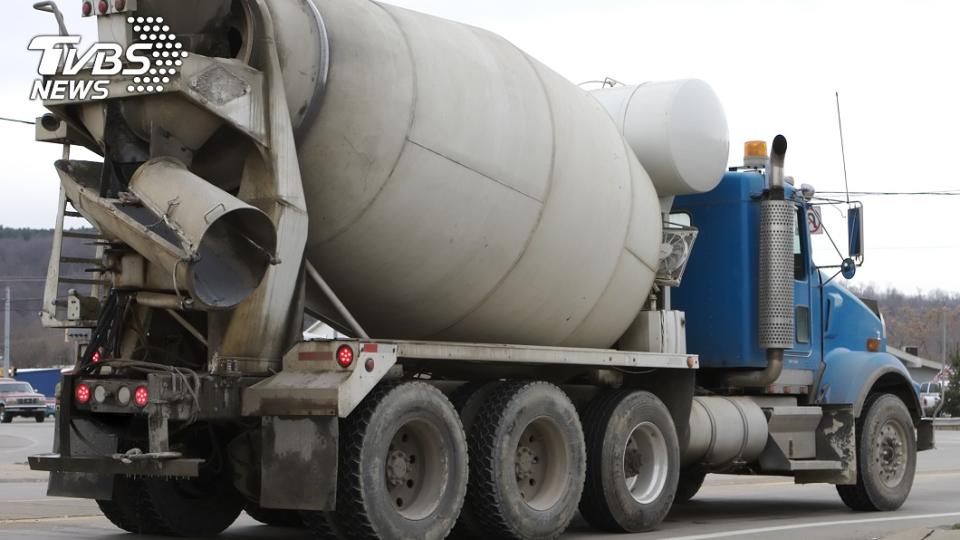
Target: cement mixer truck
[554,300]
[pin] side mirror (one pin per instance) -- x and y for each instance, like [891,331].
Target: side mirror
[855,232]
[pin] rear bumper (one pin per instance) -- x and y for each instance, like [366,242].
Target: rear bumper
[182,467]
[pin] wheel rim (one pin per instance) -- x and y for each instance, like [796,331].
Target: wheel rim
[541,464]
[891,453]
[415,469]
[645,463]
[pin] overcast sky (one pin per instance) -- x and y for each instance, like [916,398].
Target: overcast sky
[774,64]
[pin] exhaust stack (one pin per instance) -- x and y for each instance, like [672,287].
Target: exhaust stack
[776,321]
[215,248]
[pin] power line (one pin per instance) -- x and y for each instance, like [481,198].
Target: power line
[17,120]
[946,193]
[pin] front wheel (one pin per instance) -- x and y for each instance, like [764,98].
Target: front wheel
[5,416]
[886,456]
[40,417]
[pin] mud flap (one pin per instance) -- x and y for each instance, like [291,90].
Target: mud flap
[87,439]
[299,462]
[925,437]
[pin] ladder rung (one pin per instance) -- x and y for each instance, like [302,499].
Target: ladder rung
[83,281]
[79,260]
[72,214]
[74,234]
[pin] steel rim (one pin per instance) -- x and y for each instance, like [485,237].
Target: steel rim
[645,463]
[891,453]
[415,469]
[541,464]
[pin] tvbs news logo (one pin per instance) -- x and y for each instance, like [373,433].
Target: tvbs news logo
[152,61]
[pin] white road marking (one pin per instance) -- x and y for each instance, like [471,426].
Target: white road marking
[761,530]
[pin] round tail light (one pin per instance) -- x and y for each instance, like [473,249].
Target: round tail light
[87,9]
[82,393]
[141,396]
[344,356]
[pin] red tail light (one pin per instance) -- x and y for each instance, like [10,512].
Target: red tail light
[87,9]
[82,393]
[344,356]
[141,396]
[103,6]
[95,358]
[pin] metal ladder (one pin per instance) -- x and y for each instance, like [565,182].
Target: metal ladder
[80,310]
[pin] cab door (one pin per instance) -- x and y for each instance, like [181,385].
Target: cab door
[801,357]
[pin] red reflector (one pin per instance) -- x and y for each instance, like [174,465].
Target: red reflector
[82,393]
[312,356]
[344,356]
[370,347]
[87,9]
[141,396]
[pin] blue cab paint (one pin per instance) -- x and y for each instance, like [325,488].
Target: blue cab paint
[720,297]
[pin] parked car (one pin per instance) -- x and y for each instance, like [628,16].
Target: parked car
[18,398]
[931,398]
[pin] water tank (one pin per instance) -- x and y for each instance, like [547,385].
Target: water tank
[677,129]
[457,188]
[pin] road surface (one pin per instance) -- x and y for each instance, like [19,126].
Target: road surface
[727,506]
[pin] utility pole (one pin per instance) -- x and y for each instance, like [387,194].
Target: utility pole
[943,329]
[6,336]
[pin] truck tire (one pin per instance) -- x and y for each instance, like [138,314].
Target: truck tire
[273,517]
[321,525]
[886,456]
[40,417]
[467,400]
[633,462]
[5,417]
[130,509]
[691,480]
[403,465]
[527,461]
[194,507]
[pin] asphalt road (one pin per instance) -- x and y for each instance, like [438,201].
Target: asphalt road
[727,507]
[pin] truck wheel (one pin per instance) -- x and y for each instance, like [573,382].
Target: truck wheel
[467,400]
[201,506]
[129,509]
[527,461]
[886,456]
[272,516]
[40,417]
[5,417]
[322,525]
[403,465]
[691,479]
[633,462]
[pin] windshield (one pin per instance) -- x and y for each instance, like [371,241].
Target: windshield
[932,388]
[15,387]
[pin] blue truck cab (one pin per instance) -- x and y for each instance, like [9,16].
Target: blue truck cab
[839,353]
[838,363]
